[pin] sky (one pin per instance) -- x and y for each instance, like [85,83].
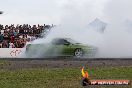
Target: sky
[69,12]
[50,11]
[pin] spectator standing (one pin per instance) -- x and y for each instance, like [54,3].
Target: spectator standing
[11,45]
[5,44]
[1,37]
[12,38]
[0,45]
[2,31]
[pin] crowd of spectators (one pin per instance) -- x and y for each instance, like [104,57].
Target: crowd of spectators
[12,36]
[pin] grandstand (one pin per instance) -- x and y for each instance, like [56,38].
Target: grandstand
[12,36]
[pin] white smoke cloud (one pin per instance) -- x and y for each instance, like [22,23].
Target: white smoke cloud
[117,38]
[73,16]
[117,11]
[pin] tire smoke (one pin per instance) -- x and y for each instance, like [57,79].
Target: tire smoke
[114,42]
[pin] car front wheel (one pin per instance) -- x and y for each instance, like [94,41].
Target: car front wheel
[78,53]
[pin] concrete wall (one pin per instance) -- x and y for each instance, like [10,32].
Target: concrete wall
[12,52]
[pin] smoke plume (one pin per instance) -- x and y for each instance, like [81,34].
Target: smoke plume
[76,15]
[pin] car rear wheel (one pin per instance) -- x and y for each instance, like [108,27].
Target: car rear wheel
[78,53]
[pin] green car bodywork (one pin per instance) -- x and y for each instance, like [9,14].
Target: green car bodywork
[60,47]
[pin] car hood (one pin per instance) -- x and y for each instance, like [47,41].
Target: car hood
[85,45]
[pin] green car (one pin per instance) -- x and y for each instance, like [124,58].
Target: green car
[60,47]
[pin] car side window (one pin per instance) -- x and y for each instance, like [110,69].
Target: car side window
[59,42]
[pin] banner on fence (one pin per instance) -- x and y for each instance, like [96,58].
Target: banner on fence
[11,52]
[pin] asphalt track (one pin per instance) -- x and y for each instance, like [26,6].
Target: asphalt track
[20,63]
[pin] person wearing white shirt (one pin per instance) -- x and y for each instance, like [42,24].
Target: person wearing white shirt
[2,31]
[11,45]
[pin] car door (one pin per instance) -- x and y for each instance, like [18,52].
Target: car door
[62,47]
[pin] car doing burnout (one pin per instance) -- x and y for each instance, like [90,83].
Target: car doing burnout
[60,47]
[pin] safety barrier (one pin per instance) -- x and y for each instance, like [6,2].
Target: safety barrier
[11,52]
